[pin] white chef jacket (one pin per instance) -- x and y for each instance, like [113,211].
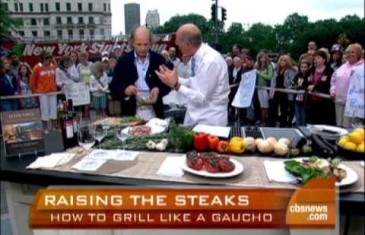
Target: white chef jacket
[206,92]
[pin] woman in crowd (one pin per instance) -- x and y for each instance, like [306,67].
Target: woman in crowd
[285,74]
[340,82]
[8,86]
[336,57]
[265,72]
[84,70]
[321,109]
[24,88]
[98,88]
[114,105]
[301,84]
[43,81]
[63,73]
[74,74]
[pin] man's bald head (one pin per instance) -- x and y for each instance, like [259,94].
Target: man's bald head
[189,33]
[141,41]
[140,31]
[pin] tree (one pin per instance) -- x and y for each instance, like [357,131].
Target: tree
[288,33]
[261,37]
[235,34]
[7,23]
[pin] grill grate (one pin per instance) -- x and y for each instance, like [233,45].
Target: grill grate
[253,131]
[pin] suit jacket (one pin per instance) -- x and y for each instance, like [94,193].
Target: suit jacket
[236,81]
[125,74]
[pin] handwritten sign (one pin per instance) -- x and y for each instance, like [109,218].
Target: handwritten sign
[355,97]
[245,91]
[78,92]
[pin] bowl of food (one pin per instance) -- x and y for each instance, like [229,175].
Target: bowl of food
[145,98]
[351,146]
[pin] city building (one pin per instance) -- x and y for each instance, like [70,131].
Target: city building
[132,17]
[62,19]
[153,19]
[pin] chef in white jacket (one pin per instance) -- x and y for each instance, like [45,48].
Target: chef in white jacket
[206,91]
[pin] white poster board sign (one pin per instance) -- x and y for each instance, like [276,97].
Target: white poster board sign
[355,96]
[245,91]
[78,92]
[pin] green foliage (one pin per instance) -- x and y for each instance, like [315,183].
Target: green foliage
[292,36]
[7,23]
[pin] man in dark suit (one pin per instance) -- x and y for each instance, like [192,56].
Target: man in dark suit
[134,75]
[234,81]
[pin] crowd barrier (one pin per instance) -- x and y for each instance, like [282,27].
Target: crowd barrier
[289,91]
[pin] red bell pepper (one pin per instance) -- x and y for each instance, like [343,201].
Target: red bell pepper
[213,142]
[201,142]
[223,146]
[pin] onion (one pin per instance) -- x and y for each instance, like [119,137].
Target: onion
[265,147]
[281,149]
[271,140]
[285,141]
[258,140]
[250,143]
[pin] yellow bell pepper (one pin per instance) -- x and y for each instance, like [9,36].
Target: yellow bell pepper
[237,145]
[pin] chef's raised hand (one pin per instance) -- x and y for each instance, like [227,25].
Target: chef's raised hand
[167,76]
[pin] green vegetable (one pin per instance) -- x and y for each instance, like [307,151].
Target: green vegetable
[181,137]
[130,119]
[304,174]
[294,152]
[335,162]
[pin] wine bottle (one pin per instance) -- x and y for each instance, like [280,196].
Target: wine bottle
[75,120]
[67,127]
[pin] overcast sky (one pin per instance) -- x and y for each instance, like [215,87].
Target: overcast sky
[246,12]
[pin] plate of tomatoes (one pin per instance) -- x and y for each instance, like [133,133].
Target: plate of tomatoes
[211,164]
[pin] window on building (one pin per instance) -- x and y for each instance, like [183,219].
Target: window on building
[69,20]
[35,33]
[59,33]
[109,7]
[102,32]
[47,33]
[42,7]
[33,22]
[58,20]
[30,7]
[79,6]
[46,21]
[16,7]
[6,7]
[91,20]
[81,33]
[68,6]
[92,33]
[21,7]
[70,34]
[104,6]
[81,20]
[46,7]
[21,33]
[58,6]
[90,7]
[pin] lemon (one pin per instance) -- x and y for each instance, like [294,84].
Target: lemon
[350,146]
[361,148]
[356,137]
[343,140]
[360,132]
